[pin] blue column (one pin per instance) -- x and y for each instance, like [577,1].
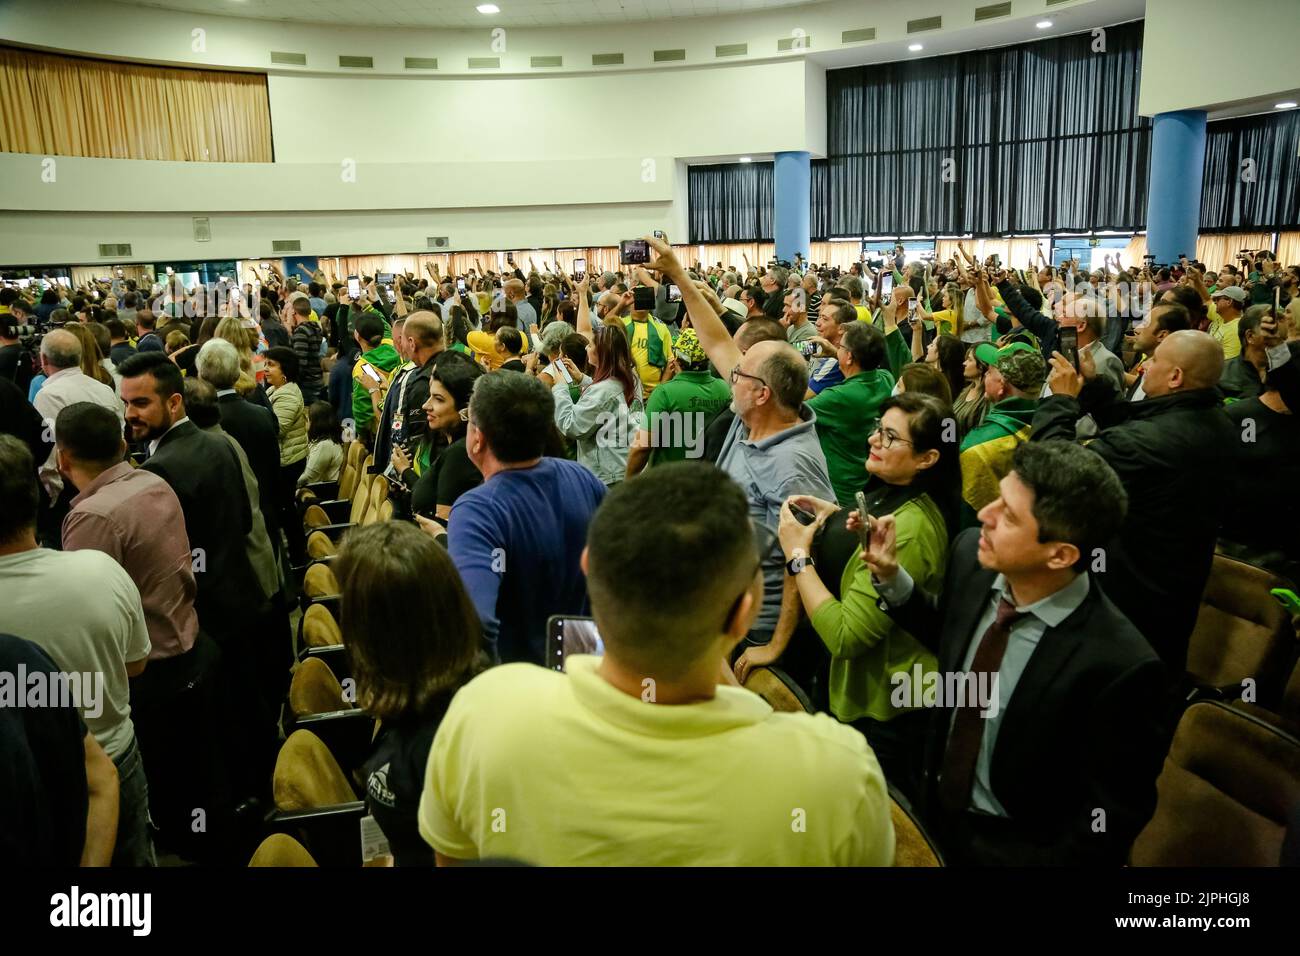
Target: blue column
[1174,196]
[791,216]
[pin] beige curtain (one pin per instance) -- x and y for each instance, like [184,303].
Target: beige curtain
[143,275]
[70,106]
[1288,248]
[1218,250]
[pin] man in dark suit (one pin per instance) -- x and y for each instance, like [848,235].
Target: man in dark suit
[205,473]
[1058,764]
[255,428]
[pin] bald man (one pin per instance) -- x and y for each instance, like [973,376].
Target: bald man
[1174,453]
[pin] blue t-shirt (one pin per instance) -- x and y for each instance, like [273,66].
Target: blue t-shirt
[516,540]
[827,375]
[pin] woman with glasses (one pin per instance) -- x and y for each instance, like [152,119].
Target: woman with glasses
[605,418]
[913,481]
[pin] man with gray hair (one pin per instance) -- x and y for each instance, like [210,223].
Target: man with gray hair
[772,283]
[255,428]
[772,450]
[66,383]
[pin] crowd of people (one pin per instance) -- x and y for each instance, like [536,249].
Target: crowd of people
[872,480]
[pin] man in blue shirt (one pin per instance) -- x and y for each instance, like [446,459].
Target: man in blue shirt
[517,539]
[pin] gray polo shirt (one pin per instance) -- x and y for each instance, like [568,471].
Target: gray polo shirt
[788,463]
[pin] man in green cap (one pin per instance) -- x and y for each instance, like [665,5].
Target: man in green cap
[1013,381]
[679,409]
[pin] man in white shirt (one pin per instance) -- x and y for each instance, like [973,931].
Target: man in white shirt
[66,384]
[83,610]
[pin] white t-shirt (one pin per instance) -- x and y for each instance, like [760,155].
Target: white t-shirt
[83,610]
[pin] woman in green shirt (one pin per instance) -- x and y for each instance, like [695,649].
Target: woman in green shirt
[913,475]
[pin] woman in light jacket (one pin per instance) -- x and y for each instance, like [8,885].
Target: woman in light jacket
[291,418]
[605,418]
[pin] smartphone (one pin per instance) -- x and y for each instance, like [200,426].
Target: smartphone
[571,635]
[803,517]
[369,370]
[643,298]
[674,293]
[866,522]
[385,277]
[658,234]
[633,252]
[460,285]
[560,370]
[391,295]
[354,287]
[810,349]
[580,266]
[1069,339]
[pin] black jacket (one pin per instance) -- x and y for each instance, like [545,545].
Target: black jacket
[1174,455]
[1240,379]
[205,473]
[1081,732]
[1044,327]
[306,340]
[257,431]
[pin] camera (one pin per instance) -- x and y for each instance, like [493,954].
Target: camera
[876,263]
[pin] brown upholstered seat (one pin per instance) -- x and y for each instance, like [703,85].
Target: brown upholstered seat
[315,690]
[282,850]
[1224,794]
[307,777]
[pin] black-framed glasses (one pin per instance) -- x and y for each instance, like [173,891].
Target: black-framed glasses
[737,373]
[889,437]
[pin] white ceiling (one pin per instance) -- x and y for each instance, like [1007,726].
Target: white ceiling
[461,13]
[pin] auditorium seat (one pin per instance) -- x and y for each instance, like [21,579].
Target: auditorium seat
[281,850]
[777,688]
[315,802]
[1242,632]
[314,689]
[912,845]
[1225,793]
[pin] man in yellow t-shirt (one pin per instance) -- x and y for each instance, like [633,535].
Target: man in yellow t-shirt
[652,347]
[1225,311]
[645,757]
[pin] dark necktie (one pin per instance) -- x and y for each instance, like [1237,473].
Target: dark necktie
[959,759]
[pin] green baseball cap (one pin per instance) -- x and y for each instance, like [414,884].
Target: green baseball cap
[1020,363]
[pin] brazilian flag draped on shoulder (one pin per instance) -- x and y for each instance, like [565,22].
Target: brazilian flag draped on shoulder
[986,452]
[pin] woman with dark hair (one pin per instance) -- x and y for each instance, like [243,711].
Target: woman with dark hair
[947,353]
[970,403]
[604,419]
[458,329]
[912,492]
[324,445]
[187,356]
[291,421]
[442,471]
[413,640]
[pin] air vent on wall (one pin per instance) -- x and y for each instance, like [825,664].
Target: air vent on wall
[666,56]
[421,62]
[438,242]
[927,23]
[357,62]
[993,11]
[606,59]
[286,245]
[541,62]
[289,59]
[1052,3]
[731,49]
[484,62]
[794,43]
[111,251]
[858,36]
[202,229]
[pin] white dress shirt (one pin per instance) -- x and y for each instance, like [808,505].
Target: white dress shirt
[67,387]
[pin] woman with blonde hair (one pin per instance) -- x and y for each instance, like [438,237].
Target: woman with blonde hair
[233,330]
[92,359]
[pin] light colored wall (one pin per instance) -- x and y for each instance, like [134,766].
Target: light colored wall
[1202,54]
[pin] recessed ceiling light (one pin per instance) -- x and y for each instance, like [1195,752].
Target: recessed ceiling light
[488,8]
[916,47]
[1288,105]
[747,159]
[1043,24]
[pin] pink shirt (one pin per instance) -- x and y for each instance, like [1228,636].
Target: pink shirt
[135,518]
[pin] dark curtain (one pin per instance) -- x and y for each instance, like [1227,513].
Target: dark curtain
[1252,173]
[1032,138]
[730,202]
